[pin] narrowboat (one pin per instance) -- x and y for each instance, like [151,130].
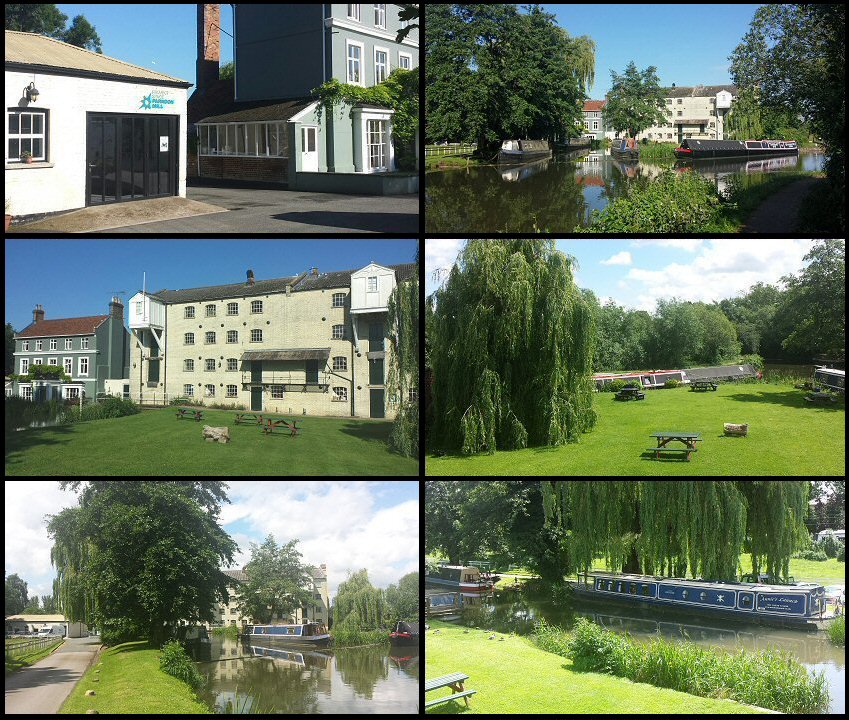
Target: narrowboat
[693,149]
[520,151]
[313,634]
[465,578]
[620,149]
[834,380]
[446,603]
[404,633]
[798,604]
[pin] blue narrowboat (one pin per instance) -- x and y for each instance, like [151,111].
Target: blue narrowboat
[314,634]
[798,604]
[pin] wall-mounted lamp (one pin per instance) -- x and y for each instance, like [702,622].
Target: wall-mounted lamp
[31,92]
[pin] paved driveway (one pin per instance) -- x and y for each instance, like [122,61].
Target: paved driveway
[42,688]
[291,211]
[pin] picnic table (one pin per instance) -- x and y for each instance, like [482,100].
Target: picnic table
[255,418]
[667,436]
[629,393]
[699,385]
[189,413]
[272,423]
[816,397]
[455,682]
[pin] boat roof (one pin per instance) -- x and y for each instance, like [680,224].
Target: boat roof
[460,567]
[702,583]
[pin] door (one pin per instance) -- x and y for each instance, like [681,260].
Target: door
[256,398]
[312,372]
[309,149]
[256,389]
[375,337]
[375,372]
[375,409]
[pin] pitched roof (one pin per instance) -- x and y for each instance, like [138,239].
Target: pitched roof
[64,326]
[590,105]
[698,91]
[255,111]
[39,51]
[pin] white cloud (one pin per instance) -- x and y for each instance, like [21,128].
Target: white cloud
[620,258]
[687,244]
[439,255]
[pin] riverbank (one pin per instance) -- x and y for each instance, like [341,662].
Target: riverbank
[541,682]
[127,679]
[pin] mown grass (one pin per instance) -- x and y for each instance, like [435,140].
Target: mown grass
[787,436]
[15,662]
[514,676]
[127,679]
[770,679]
[155,442]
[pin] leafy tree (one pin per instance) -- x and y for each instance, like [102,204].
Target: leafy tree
[277,582]
[47,19]
[9,363]
[138,556]
[635,101]
[409,12]
[358,604]
[16,595]
[512,348]
[402,600]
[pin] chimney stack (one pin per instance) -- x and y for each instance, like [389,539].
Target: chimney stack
[37,314]
[116,308]
[314,271]
[250,277]
[209,45]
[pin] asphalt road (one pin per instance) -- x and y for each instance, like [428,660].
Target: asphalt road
[285,211]
[42,688]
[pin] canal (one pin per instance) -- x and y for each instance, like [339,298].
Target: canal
[515,613]
[558,194]
[261,678]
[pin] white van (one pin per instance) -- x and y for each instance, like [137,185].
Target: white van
[45,632]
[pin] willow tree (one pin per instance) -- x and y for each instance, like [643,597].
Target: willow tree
[511,349]
[672,528]
[580,56]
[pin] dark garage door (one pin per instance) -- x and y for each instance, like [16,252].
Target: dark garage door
[130,157]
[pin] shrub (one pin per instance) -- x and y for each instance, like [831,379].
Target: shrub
[672,383]
[174,660]
[120,630]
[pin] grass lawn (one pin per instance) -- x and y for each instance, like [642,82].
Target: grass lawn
[155,442]
[515,677]
[787,436]
[130,681]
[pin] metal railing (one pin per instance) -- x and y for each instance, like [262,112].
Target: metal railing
[450,149]
[285,378]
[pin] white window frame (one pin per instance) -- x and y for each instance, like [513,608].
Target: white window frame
[210,310]
[186,340]
[189,312]
[231,306]
[53,361]
[84,343]
[409,57]
[235,362]
[206,364]
[54,344]
[277,392]
[68,365]
[348,44]
[24,345]
[30,136]
[380,16]
[232,391]
[69,343]
[234,334]
[38,344]
[338,332]
[80,372]
[355,12]
[340,363]
[206,337]
[338,300]
[340,394]
[369,287]
[388,68]
[189,365]
[24,366]
[254,337]
[189,390]
[71,393]
[256,307]
[209,390]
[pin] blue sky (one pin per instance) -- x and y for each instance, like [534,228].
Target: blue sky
[76,278]
[636,273]
[688,44]
[346,525]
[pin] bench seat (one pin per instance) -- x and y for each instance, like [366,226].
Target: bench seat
[456,696]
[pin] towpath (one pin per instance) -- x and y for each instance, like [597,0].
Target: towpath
[779,213]
[42,688]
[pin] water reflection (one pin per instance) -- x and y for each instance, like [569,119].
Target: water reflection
[558,194]
[262,677]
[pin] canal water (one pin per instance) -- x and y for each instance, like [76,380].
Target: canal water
[265,678]
[558,194]
[511,612]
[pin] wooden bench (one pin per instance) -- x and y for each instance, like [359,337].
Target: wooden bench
[189,413]
[254,418]
[658,450]
[699,385]
[272,423]
[455,682]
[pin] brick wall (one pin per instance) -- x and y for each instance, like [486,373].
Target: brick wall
[245,168]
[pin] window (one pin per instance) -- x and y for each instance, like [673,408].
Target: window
[381,64]
[338,299]
[340,394]
[209,338]
[26,132]
[189,339]
[256,306]
[69,343]
[209,390]
[189,365]
[67,365]
[232,364]
[380,16]
[277,392]
[256,335]
[232,308]
[25,345]
[232,336]
[26,392]
[354,12]
[372,284]
[24,366]
[376,130]
[72,393]
[188,312]
[405,60]
[308,139]
[354,53]
[340,362]
[232,391]
[83,343]
[83,367]
[189,390]
[53,342]
[52,361]
[338,332]
[412,394]
[209,364]
[38,344]
[679,101]
[210,310]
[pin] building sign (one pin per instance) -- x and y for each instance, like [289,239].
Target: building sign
[163,143]
[782,603]
[156,100]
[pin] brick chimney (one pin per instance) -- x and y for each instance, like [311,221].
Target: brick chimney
[116,308]
[209,45]
[314,271]
[37,314]
[250,278]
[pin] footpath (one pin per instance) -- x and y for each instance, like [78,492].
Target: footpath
[42,688]
[779,213]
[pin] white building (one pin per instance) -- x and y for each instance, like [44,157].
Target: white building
[97,130]
[693,112]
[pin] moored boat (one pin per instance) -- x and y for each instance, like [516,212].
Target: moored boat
[404,633]
[465,578]
[313,634]
[622,150]
[520,151]
[795,605]
[695,149]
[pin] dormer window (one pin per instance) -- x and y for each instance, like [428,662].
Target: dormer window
[371,284]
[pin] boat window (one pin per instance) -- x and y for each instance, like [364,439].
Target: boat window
[632,588]
[745,599]
[685,594]
[610,584]
[646,590]
[703,596]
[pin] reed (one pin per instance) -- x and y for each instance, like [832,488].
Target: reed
[770,679]
[837,631]
[345,637]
